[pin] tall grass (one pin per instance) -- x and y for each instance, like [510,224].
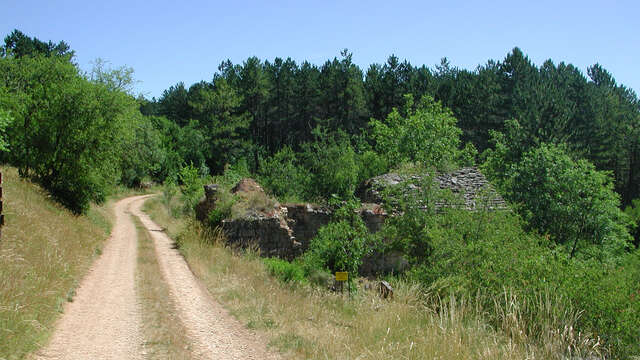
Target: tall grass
[44,251]
[313,323]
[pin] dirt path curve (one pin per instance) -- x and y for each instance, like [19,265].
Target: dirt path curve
[103,321]
[213,332]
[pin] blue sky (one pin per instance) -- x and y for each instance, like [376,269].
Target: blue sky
[170,41]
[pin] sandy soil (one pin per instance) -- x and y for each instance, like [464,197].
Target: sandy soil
[103,321]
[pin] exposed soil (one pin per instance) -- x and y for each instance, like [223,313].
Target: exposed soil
[103,321]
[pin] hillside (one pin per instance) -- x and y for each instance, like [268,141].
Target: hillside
[44,251]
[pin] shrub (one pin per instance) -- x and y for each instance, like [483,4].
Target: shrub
[342,244]
[221,211]
[569,200]
[334,166]
[425,132]
[633,212]
[287,272]
[283,176]
[191,188]
[609,296]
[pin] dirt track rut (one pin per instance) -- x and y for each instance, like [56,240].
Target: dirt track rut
[104,322]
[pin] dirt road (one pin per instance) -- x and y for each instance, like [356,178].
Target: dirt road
[104,322]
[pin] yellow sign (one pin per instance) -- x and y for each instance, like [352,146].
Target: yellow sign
[342,276]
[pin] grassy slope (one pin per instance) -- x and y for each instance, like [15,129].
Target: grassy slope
[44,251]
[311,323]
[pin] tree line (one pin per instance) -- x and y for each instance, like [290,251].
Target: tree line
[251,110]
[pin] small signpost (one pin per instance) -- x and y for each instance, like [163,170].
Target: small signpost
[341,278]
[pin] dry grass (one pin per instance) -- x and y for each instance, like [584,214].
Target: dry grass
[164,334]
[310,323]
[254,201]
[44,251]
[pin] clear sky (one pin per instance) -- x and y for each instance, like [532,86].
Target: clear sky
[171,41]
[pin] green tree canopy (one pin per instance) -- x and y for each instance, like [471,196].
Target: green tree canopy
[425,133]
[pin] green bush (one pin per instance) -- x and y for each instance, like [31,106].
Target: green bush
[342,244]
[191,188]
[486,252]
[233,174]
[333,165]
[609,296]
[425,132]
[169,192]
[633,212]
[287,272]
[283,176]
[67,132]
[569,200]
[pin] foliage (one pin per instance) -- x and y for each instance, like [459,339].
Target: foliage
[143,153]
[633,212]
[233,173]
[569,200]
[120,79]
[223,208]
[609,296]
[410,232]
[425,132]
[169,192]
[17,44]
[342,244]
[333,163]
[285,271]
[5,121]
[67,131]
[482,253]
[191,188]
[283,176]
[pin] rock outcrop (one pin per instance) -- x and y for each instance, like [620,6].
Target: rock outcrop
[247,185]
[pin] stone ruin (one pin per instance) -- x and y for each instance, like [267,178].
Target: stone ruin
[286,230]
[469,187]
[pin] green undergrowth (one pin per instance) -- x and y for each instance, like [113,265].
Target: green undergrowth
[450,319]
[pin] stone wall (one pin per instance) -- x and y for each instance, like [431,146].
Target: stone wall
[269,234]
[305,220]
[470,188]
[286,230]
